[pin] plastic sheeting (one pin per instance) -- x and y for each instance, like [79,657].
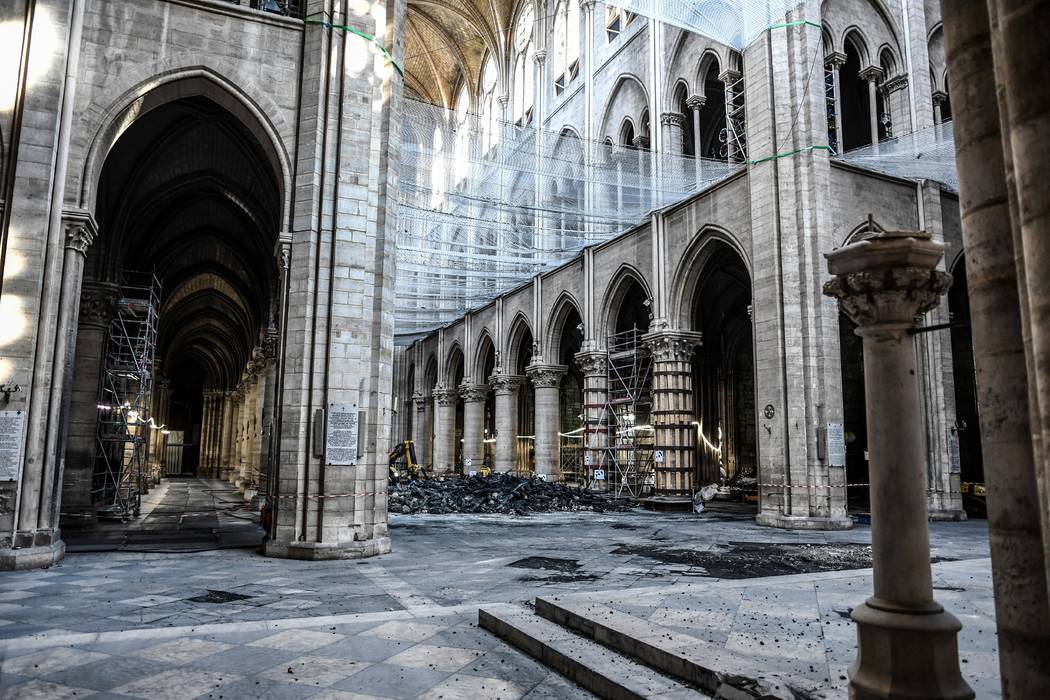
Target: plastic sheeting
[732,22]
[485,205]
[926,154]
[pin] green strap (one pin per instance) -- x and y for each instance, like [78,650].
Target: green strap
[796,23]
[787,154]
[364,35]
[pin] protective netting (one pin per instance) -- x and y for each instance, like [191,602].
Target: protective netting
[926,154]
[484,205]
[732,22]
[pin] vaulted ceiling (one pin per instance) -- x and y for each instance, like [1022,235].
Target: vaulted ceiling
[448,41]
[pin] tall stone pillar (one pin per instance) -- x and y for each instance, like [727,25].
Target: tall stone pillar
[445,429]
[506,387]
[547,381]
[997,293]
[730,78]
[229,427]
[338,338]
[204,465]
[873,74]
[674,411]
[696,105]
[907,644]
[939,98]
[674,133]
[419,435]
[473,425]
[595,368]
[96,309]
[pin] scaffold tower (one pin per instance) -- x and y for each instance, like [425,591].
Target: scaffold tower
[628,456]
[124,421]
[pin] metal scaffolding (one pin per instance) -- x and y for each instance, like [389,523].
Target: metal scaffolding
[124,422]
[627,458]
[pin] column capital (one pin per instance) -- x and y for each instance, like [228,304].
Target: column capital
[672,119]
[473,393]
[593,363]
[546,376]
[696,102]
[506,384]
[672,346]
[641,141]
[872,74]
[730,76]
[445,396]
[587,5]
[502,100]
[419,401]
[80,228]
[97,303]
[885,280]
[939,97]
[540,57]
[835,59]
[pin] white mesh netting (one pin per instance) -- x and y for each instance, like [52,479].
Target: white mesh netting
[485,205]
[926,154]
[732,22]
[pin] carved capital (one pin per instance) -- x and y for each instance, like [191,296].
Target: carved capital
[419,401]
[445,396]
[592,364]
[872,74]
[885,280]
[696,102]
[730,76]
[641,141]
[894,84]
[546,376]
[672,119]
[473,393]
[672,346]
[97,303]
[540,57]
[835,60]
[940,97]
[80,228]
[506,384]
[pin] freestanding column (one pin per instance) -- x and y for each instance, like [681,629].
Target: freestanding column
[695,104]
[595,368]
[834,62]
[872,74]
[547,380]
[473,425]
[445,429]
[907,646]
[674,411]
[419,426]
[506,387]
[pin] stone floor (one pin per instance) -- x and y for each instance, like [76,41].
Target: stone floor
[143,611]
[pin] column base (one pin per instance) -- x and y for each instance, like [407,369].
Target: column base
[804,522]
[325,551]
[906,654]
[955,516]
[41,557]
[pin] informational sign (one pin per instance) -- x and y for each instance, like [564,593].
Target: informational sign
[468,462]
[836,438]
[658,456]
[954,460]
[587,458]
[472,473]
[12,424]
[599,475]
[341,436]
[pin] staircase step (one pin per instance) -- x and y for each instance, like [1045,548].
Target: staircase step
[587,663]
[699,663]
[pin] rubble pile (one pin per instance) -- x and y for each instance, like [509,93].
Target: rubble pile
[499,493]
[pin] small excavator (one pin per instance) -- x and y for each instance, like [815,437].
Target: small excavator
[403,464]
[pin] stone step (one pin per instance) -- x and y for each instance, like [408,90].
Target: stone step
[587,663]
[711,668]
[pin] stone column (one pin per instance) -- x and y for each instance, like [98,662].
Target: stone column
[547,381]
[834,62]
[506,387]
[595,368]
[873,74]
[939,98]
[419,435]
[445,429]
[97,301]
[204,464]
[696,105]
[907,644]
[674,411]
[228,428]
[473,425]
[1001,339]
[673,126]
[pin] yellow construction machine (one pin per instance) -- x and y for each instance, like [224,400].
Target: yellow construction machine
[403,464]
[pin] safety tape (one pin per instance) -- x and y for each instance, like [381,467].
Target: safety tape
[332,495]
[364,35]
[802,486]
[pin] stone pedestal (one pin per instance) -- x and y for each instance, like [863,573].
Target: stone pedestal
[473,425]
[445,430]
[506,387]
[673,412]
[547,380]
[907,645]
